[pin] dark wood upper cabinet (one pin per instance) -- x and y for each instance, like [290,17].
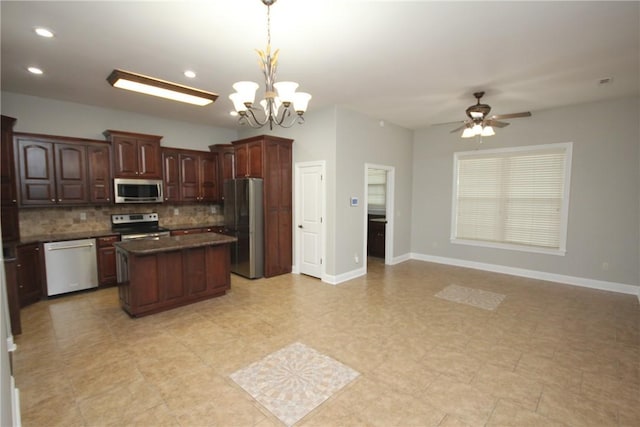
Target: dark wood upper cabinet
[8,193]
[226,159]
[71,173]
[270,158]
[100,177]
[135,155]
[171,174]
[36,171]
[248,160]
[57,170]
[190,176]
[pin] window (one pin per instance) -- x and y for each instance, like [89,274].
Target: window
[513,198]
[377,189]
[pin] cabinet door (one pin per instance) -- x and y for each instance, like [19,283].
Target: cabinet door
[209,191]
[255,160]
[189,177]
[242,161]
[125,154]
[107,271]
[29,274]
[149,159]
[171,175]
[100,180]
[278,208]
[36,171]
[7,170]
[71,173]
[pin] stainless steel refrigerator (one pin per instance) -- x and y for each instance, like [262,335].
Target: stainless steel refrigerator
[243,218]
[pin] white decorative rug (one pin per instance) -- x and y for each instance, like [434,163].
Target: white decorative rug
[294,380]
[475,297]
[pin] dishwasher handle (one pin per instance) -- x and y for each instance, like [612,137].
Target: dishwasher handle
[59,248]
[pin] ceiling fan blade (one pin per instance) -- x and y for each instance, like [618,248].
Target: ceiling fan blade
[495,123]
[512,115]
[459,128]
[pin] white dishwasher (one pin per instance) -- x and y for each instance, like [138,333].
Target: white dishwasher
[71,266]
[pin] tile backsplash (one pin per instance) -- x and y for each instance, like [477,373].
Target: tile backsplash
[38,221]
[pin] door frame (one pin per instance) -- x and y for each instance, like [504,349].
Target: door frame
[297,214]
[389,208]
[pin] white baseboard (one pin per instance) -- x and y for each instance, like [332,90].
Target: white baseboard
[533,274]
[401,258]
[335,280]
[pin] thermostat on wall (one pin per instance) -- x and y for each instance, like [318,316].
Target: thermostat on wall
[354,201]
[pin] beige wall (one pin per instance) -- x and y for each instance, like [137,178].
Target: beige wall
[604,211]
[49,116]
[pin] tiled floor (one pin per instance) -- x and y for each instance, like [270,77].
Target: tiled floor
[548,354]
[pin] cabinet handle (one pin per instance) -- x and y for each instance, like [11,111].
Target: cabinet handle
[300,226]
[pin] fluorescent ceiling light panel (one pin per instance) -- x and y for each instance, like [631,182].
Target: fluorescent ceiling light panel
[156,87]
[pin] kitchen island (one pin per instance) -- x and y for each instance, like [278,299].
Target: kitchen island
[158,275]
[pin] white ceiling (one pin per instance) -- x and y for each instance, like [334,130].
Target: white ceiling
[412,63]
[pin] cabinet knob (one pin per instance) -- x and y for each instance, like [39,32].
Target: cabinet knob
[14,200]
[59,200]
[108,199]
[53,200]
[20,286]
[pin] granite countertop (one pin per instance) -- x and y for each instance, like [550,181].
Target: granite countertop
[173,243]
[172,227]
[378,220]
[58,237]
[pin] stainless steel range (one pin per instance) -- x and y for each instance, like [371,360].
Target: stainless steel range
[138,226]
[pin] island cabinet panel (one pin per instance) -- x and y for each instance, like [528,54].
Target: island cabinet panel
[150,283]
[171,282]
[146,271]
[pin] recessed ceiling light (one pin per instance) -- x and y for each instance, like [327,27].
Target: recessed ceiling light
[34,70]
[43,32]
[189,74]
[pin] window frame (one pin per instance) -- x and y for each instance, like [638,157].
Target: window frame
[564,213]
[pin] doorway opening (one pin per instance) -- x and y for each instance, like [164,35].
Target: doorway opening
[378,212]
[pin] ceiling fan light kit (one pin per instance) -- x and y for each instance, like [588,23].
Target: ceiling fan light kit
[160,88]
[479,124]
[280,99]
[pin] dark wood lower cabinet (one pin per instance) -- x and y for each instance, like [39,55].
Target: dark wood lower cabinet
[13,299]
[162,281]
[107,261]
[376,239]
[29,273]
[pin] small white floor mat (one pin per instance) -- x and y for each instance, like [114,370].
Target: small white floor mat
[475,297]
[294,380]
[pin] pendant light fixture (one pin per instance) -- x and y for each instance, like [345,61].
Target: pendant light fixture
[280,98]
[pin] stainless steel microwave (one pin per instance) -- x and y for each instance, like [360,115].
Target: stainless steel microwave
[137,190]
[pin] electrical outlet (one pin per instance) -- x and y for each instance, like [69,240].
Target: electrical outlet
[83,216]
[605,266]
[356,258]
[176,211]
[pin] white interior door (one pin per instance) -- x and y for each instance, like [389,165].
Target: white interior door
[309,219]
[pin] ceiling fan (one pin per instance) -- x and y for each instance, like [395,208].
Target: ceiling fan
[479,122]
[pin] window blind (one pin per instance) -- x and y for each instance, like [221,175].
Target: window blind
[513,196]
[377,188]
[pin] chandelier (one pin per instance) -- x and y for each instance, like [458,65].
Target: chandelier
[280,99]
